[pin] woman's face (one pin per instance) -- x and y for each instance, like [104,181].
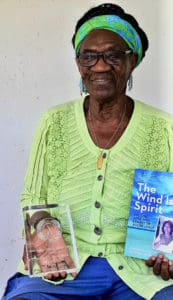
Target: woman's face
[167,228]
[104,81]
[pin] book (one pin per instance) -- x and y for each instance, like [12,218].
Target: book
[150,222]
[49,239]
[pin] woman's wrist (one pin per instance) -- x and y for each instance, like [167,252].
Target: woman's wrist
[49,229]
[40,224]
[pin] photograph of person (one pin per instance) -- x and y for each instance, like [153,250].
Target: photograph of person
[164,235]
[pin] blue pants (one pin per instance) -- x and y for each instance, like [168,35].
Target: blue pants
[96,281]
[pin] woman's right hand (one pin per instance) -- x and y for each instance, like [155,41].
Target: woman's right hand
[161,266]
[52,253]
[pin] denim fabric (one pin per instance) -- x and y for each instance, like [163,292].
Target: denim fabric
[164,294]
[96,281]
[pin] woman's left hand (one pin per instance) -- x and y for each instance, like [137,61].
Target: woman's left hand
[161,265]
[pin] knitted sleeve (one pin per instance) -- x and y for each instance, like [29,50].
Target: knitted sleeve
[36,179]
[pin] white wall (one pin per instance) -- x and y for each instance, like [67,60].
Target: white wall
[37,70]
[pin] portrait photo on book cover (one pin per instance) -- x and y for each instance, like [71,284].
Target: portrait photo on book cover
[163,239]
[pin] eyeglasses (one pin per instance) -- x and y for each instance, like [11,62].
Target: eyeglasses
[111,57]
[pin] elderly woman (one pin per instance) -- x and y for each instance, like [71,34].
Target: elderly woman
[86,151]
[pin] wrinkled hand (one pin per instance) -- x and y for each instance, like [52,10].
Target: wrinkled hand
[51,251]
[161,266]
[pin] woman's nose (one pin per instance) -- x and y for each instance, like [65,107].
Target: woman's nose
[101,65]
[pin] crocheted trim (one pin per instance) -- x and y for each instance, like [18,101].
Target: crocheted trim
[57,153]
[155,154]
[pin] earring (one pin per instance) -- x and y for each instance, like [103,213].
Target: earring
[130,82]
[83,88]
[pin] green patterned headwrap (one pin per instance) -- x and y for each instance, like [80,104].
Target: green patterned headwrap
[113,23]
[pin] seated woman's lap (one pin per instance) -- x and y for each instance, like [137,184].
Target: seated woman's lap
[90,284]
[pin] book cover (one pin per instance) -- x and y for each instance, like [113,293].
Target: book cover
[150,222]
[54,237]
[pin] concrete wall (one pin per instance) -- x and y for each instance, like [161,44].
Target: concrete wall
[37,70]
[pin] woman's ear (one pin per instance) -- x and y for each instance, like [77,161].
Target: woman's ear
[79,66]
[77,63]
[134,59]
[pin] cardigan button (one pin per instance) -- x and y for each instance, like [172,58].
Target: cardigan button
[97,230]
[120,267]
[104,155]
[100,177]
[97,204]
